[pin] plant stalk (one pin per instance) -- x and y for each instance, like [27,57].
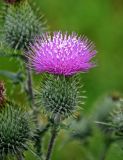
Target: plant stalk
[51,143]
[105,150]
[39,139]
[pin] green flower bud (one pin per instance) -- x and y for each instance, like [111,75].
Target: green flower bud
[21,25]
[60,96]
[14,130]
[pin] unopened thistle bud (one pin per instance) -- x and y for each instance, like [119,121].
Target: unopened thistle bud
[21,25]
[14,130]
[60,96]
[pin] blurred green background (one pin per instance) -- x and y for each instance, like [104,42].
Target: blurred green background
[102,22]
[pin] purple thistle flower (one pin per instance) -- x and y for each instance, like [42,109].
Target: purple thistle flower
[61,54]
[12,1]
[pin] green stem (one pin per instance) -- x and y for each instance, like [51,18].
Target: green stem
[105,150]
[29,84]
[51,143]
[39,139]
[31,95]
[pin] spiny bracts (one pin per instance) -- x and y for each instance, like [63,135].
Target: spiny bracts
[14,130]
[60,96]
[21,25]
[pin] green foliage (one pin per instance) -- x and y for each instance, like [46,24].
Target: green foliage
[14,130]
[21,25]
[104,107]
[81,129]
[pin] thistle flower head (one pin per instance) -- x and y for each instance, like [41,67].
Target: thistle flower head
[61,54]
[2,93]
[14,130]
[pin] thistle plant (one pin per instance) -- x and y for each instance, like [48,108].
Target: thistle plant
[21,24]
[61,56]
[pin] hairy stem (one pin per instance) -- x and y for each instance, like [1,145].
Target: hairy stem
[51,143]
[34,108]
[31,95]
[29,84]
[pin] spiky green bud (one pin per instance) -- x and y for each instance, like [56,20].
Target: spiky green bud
[21,25]
[60,96]
[14,130]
